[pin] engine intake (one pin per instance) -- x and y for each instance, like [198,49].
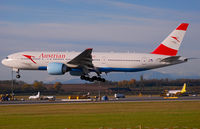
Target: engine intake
[56,68]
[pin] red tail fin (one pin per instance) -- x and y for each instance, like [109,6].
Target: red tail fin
[171,44]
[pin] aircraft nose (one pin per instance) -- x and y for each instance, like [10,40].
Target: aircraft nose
[4,62]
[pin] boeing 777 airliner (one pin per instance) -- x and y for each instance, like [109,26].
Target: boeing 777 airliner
[81,64]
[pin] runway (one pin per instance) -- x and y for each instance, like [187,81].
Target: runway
[128,99]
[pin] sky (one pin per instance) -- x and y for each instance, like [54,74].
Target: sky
[104,25]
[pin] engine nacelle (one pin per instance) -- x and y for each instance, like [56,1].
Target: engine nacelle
[56,68]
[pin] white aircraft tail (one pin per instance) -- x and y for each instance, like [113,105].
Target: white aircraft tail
[38,95]
[171,44]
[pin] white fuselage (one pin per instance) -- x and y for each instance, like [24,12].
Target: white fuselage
[173,92]
[81,64]
[105,62]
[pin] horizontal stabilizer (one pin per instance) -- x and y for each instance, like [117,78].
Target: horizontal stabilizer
[170,59]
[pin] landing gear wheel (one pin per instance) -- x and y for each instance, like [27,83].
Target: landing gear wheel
[103,80]
[18,76]
[82,77]
[87,78]
[91,80]
[94,78]
[99,79]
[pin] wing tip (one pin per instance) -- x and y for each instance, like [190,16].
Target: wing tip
[182,26]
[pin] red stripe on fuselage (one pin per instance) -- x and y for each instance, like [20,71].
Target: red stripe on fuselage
[164,50]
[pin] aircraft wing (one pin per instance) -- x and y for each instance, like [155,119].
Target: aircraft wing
[83,61]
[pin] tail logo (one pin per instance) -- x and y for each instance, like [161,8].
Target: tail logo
[30,57]
[175,38]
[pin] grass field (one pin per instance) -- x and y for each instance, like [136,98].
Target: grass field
[101,115]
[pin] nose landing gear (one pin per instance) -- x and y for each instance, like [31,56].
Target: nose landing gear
[18,76]
[17,72]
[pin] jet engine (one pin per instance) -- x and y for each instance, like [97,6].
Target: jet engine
[57,68]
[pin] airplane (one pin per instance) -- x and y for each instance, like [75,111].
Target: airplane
[176,92]
[34,96]
[83,64]
[48,97]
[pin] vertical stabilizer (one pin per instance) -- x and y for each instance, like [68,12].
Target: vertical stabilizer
[38,95]
[184,88]
[171,44]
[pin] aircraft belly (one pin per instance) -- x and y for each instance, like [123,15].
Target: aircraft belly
[119,67]
[112,69]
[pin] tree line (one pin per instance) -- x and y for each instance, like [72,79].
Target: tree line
[153,82]
[125,86]
[22,87]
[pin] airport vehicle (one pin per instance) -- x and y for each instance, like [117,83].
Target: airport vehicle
[104,98]
[119,96]
[176,92]
[82,64]
[6,97]
[35,96]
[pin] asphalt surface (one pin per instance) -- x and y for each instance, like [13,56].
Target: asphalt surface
[128,99]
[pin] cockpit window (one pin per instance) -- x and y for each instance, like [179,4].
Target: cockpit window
[6,57]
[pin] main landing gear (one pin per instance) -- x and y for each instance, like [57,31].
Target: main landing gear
[17,72]
[94,78]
